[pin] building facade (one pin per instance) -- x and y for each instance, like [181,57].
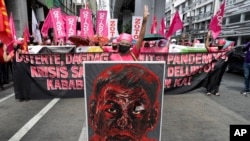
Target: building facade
[236,22]
[195,14]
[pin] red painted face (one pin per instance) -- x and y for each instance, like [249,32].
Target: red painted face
[122,114]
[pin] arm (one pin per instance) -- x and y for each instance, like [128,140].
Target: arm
[143,28]
[207,41]
[246,47]
[6,57]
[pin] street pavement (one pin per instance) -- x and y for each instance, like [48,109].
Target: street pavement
[193,116]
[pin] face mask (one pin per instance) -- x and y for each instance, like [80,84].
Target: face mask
[220,47]
[114,47]
[123,49]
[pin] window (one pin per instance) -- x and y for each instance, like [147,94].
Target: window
[234,19]
[247,16]
[224,21]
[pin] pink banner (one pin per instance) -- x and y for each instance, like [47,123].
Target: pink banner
[101,23]
[112,28]
[58,23]
[86,23]
[71,22]
[136,26]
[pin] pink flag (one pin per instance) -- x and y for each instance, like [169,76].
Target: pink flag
[101,23]
[58,23]
[86,23]
[163,27]
[71,22]
[12,27]
[10,46]
[26,32]
[154,26]
[46,25]
[175,25]
[216,22]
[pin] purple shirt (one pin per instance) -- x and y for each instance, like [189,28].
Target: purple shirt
[247,58]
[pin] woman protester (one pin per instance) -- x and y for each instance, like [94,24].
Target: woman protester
[126,51]
[214,78]
[4,58]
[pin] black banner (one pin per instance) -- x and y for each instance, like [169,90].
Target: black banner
[43,76]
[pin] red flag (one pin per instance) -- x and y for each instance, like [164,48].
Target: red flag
[175,25]
[26,36]
[216,22]
[163,27]
[154,26]
[12,27]
[46,25]
[5,33]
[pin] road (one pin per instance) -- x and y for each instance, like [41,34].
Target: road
[191,116]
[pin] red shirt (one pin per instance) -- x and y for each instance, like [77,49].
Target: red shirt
[1,55]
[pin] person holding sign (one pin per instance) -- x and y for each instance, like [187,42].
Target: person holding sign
[219,47]
[125,50]
[124,104]
[214,78]
[4,58]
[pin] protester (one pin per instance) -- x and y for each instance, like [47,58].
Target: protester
[124,104]
[173,41]
[114,45]
[214,78]
[246,69]
[4,58]
[125,53]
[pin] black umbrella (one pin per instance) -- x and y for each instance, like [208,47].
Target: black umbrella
[150,37]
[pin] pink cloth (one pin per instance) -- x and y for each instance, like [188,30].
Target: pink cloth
[125,57]
[125,36]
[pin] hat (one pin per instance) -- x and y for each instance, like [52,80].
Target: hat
[125,36]
[221,42]
[173,40]
[115,41]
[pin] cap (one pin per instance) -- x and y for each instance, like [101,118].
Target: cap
[115,41]
[173,40]
[221,42]
[125,36]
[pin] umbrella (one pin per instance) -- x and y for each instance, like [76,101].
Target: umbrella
[149,37]
[78,40]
